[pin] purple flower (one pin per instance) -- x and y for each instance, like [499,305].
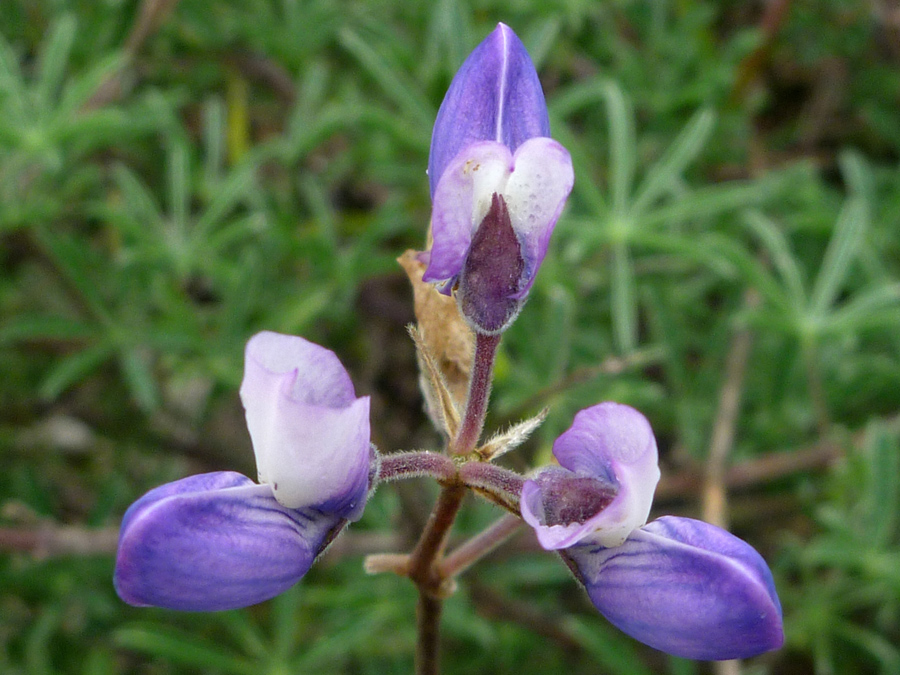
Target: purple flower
[492,167]
[219,540]
[610,454]
[679,585]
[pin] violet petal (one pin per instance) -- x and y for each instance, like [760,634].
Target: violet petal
[686,588]
[615,443]
[215,541]
[495,96]
[310,433]
[534,183]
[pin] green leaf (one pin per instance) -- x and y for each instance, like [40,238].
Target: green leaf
[707,201]
[684,149]
[240,182]
[782,258]
[183,649]
[52,63]
[388,77]
[138,201]
[40,327]
[847,239]
[877,307]
[140,380]
[603,644]
[883,453]
[78,92]
[74,368]
[624,300]
[622,149]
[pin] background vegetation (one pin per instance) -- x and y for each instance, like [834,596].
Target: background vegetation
[175,176]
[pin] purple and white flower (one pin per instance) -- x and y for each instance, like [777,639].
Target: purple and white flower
[492,164]
[220,541]
[679,585]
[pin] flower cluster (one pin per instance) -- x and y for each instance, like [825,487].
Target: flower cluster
[498,183]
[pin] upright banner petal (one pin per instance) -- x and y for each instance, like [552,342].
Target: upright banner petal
[310,433]
[495,96]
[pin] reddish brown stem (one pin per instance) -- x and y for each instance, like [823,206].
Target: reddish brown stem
[480,545]
[479,393]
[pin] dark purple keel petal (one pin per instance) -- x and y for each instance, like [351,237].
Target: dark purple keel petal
[495,96]
[213,542]
[562,506]
[490,277]
[686,588]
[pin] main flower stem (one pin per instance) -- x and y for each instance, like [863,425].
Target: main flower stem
[424,562]
[423,570]
[428,620]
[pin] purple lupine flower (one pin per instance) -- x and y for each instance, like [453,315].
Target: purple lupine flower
[610,454]
[219,540]
[679,585]
[498,183]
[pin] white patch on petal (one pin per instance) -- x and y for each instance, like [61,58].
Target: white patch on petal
[536,193]
[310,434]
[461,200]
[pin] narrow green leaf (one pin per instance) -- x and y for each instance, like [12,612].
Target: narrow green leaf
[856,173]
[875,308]
[884,494]
[179,186]
[449,32]
[213,139]
[782,258]
[52,62]
[668,169]
[37,327]
[617,657]
[388,77]
[138,201]
[136,371]
[13,86]
[540,38]
[73,368]
[701,249]
[624,300]
[240,182]
[75,262]
[38,641]
[622,148]
[846,240]
[183,649]
[706,202]
[583,161]
[78,92]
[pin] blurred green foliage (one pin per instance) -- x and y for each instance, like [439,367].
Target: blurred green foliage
[177,175]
